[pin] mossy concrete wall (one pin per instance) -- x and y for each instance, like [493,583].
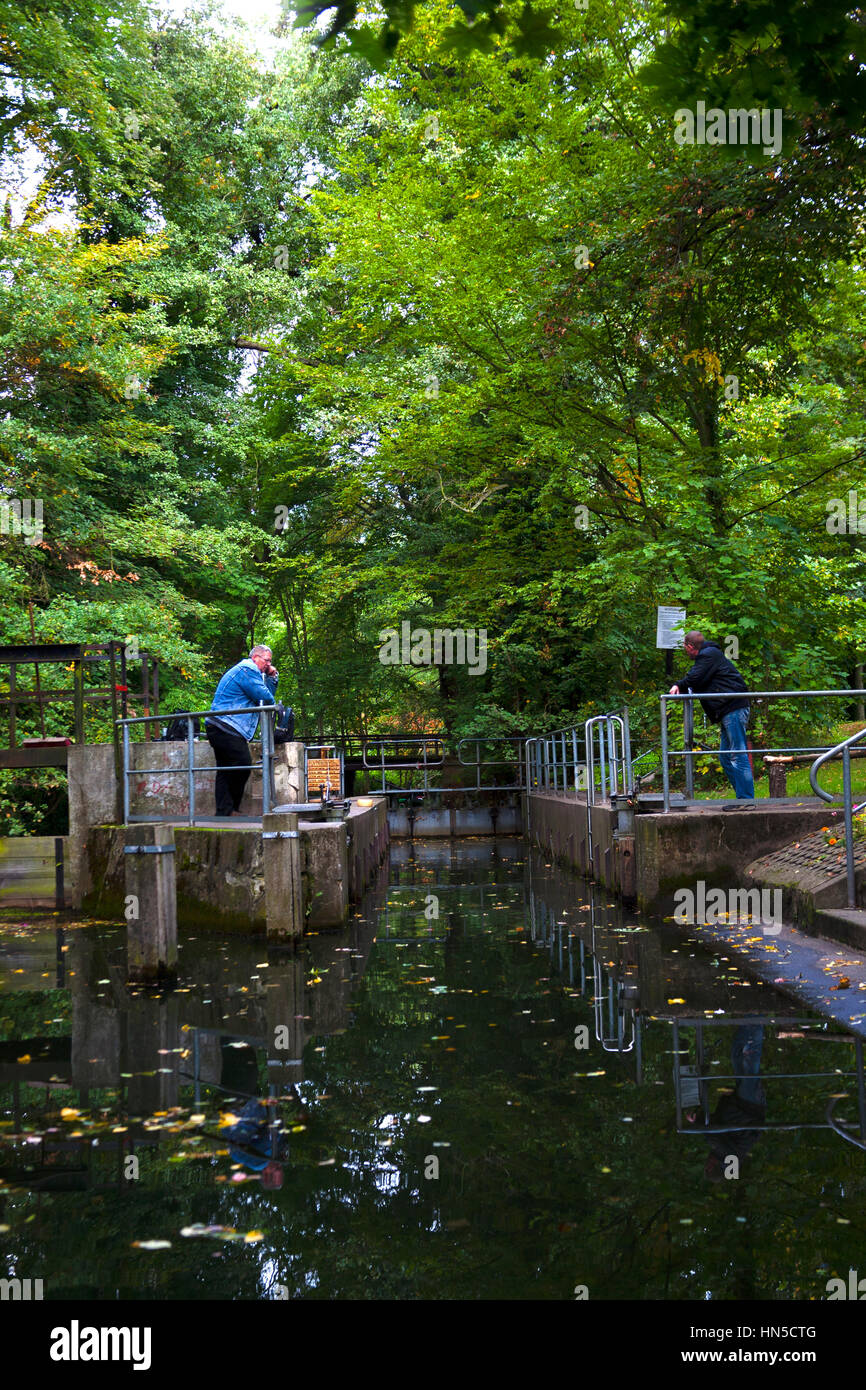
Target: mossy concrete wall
[677,849]
[557,824]
[670,851]
[220,873]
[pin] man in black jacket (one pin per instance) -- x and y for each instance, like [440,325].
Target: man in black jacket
[711,670]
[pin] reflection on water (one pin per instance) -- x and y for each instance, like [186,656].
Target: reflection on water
[492,1084]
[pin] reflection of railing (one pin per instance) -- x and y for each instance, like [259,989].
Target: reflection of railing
[850,810]
[266,766]
[615,988]
[696,1078]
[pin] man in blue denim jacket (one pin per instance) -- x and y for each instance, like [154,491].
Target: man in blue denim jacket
[250,683]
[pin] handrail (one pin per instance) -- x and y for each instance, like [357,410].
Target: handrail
[845,749]
[825,757]
[689,697]
[266,766]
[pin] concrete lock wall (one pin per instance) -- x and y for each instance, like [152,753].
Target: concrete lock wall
[677,849]
[94,798]
[220,874]
[668,851]
[448,821]
[557,824]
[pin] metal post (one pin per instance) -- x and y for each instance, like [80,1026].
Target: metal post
[190,772]
[849,827]
[626,743]
[611,752]
[666,780]
[126,774]
[268,762]
[564,765]
[124,703]
[688,744]
[78,685]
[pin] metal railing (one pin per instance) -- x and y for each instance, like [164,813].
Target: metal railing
[554,761]
[689,753]
[548,759]
[267,714]
[850,810]
[692,1081]
[404,754]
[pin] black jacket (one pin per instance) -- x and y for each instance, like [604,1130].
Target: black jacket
[713,671]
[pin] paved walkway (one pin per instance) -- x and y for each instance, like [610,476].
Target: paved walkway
[809,969]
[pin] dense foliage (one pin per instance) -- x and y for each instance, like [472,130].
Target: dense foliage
[297,350]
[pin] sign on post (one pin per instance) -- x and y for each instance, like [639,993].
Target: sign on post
[670,627]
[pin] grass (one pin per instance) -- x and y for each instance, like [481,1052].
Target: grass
[830,778]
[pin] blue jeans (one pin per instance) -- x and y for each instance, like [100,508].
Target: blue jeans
[736,764]
[746,1061]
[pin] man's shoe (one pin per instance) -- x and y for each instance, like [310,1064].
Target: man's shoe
[742,805]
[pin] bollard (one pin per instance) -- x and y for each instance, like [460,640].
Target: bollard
[151,910]
[284,899]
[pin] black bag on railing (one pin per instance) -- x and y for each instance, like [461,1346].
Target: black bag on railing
[176,731]
[284,725]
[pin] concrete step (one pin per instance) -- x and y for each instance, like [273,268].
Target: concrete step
[812,876]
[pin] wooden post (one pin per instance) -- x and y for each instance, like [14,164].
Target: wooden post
[284,899]
[78,695]
[777,775]
[151,902]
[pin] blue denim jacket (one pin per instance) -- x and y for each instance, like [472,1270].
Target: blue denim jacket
[242,685]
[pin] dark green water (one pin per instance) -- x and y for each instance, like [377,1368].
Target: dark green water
[426,1125]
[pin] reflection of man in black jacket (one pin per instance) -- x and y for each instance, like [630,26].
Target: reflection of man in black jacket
[743,1113]
[711,670]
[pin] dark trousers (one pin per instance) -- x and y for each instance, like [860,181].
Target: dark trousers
[230,750]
